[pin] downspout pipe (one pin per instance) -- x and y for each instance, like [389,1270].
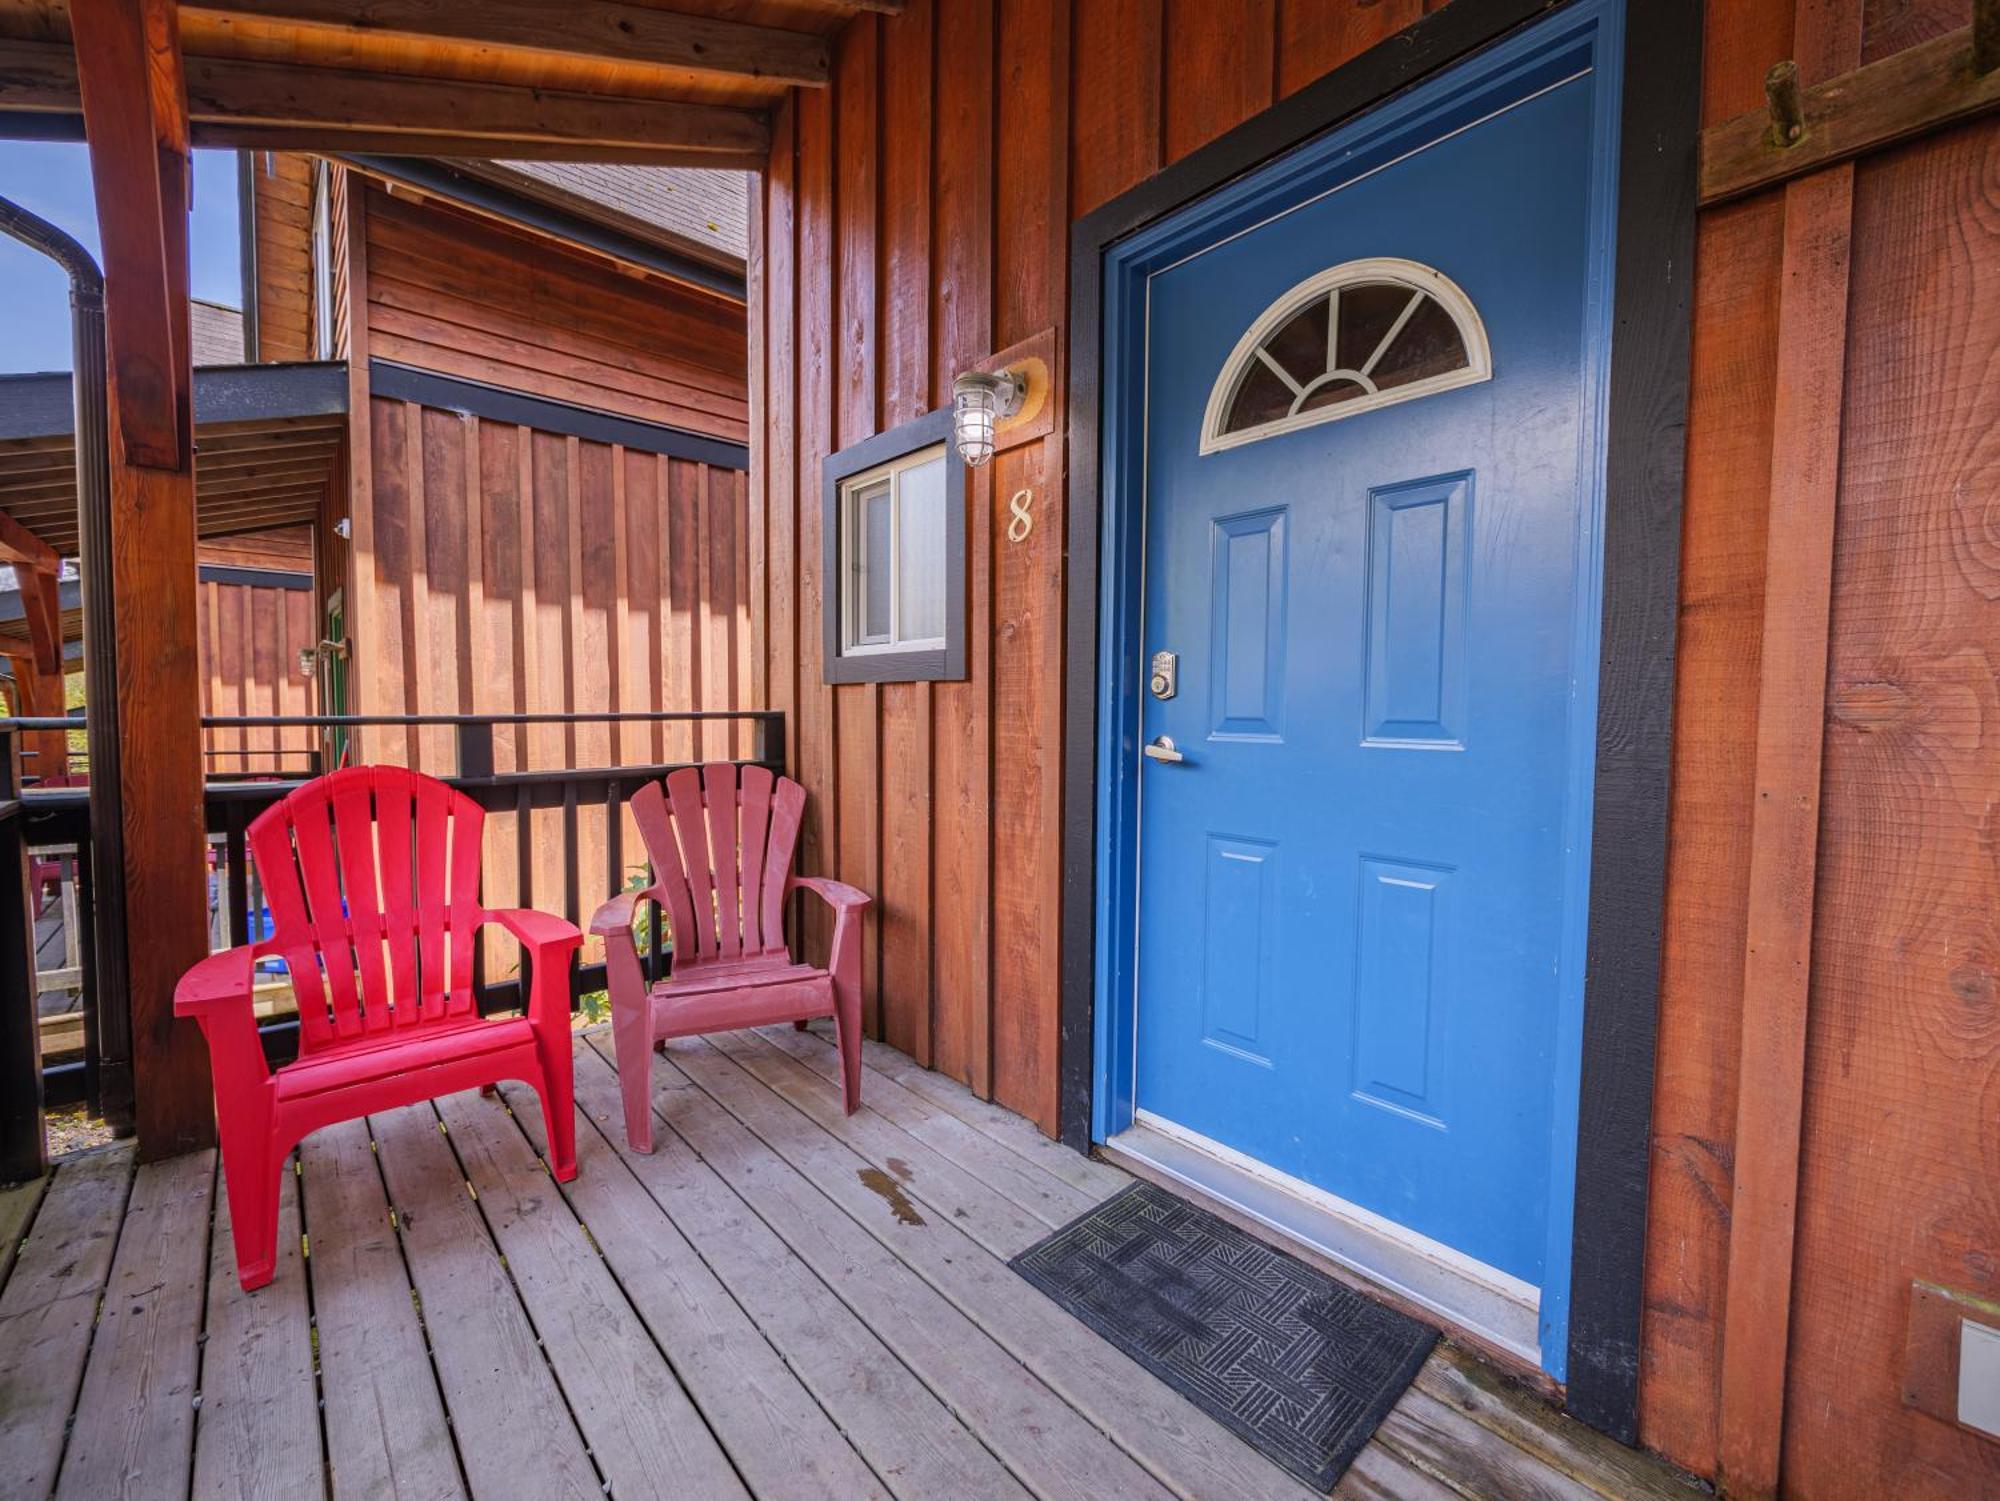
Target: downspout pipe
[112,1044]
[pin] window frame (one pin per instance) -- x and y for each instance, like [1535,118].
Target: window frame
[886,455]
[324,330]
[1392,270]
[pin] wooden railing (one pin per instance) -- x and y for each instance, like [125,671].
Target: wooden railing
[82,1053]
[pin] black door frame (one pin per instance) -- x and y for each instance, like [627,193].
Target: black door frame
[1645,457]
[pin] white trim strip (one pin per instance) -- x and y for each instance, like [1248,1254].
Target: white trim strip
[1498,1307]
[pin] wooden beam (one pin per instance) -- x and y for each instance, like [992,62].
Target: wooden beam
[1908,93]
[119,94]
[228,95]
[593,30]
[41,608]
[441,146]
[128,64]
[1784,823]
[19,545]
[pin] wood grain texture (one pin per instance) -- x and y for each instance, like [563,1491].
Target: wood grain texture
[857,707]
[1901,1147]
[961,713]
[1735,375]
[48,1308]
[1784,830]
[259,1432]
[132,1434]
[384,1420]
[514,1432]
[141,179]
[903,907]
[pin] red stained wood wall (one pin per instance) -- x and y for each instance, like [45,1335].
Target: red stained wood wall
[250,638]
[914,220]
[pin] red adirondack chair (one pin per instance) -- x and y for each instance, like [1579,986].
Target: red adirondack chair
[722,859]
[372,874]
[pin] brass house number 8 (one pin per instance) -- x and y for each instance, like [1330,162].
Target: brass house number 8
[1023,521]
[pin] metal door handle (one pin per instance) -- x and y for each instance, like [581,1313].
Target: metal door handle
[1164,749]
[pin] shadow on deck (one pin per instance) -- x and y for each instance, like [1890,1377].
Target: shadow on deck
[782,1302]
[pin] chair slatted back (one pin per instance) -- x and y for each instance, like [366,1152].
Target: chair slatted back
[722,849]
[372,875]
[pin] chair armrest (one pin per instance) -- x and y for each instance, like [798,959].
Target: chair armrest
[221,982]
[539,931]
[616,915]
[836,894]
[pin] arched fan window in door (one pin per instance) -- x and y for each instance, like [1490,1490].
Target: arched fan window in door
[1347,340]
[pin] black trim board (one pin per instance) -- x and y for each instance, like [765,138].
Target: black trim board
[253,578]
[1645,443]
[40,406]
[947,666]
[427,388]
[449,182]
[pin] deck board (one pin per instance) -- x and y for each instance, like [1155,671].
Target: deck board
[781,1441]
[1052,1200]
[741,1312]
[515,1433]
[643,1431]
[1050,1447]
[49,1307]
[1158,1429]
[385,1431]
[133,1433]
[257,1435]
[907,1435]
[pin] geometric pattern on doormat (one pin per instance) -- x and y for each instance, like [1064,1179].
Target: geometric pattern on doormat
[1298,1364]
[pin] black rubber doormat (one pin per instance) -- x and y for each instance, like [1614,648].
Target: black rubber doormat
[1302,1366]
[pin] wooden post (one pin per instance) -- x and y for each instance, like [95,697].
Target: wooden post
[23,1145]
[135,118]
[38,672]
[1784,828]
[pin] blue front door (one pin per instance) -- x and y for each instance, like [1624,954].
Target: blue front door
[1368,463]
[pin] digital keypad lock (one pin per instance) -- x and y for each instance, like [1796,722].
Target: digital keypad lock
[1166,674]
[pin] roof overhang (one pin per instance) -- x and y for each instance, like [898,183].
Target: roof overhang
[268,442]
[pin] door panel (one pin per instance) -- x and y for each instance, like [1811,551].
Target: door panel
[1352,889]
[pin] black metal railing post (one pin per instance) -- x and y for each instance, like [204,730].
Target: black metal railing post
[475,749]
[24,1149]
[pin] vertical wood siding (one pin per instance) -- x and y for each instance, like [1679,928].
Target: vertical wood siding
[250,642]
[986,114]
[530,572]
[503,569]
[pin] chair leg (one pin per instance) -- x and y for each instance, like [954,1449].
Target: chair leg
[847,1029]
[557,1091]
[252,1178]
[632,1040]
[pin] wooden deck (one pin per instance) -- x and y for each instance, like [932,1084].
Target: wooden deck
[782,1302]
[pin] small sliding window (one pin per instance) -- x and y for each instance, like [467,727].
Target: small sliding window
[895,557]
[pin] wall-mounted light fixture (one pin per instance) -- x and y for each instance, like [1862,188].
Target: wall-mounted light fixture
[311,656]
[980,402]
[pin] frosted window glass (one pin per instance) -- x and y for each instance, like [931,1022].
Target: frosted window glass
[921,560]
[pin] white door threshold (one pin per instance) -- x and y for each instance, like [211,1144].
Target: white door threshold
[1484,1301]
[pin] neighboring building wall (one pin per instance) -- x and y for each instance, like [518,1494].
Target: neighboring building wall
[463,295]
[495,568]
[251,635]
[282,183]
[924,240]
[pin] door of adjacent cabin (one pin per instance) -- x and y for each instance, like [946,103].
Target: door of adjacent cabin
[1368,628]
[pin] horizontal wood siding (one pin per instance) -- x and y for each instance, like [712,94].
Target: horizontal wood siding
[282,184]
[989,111]
[461,294]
